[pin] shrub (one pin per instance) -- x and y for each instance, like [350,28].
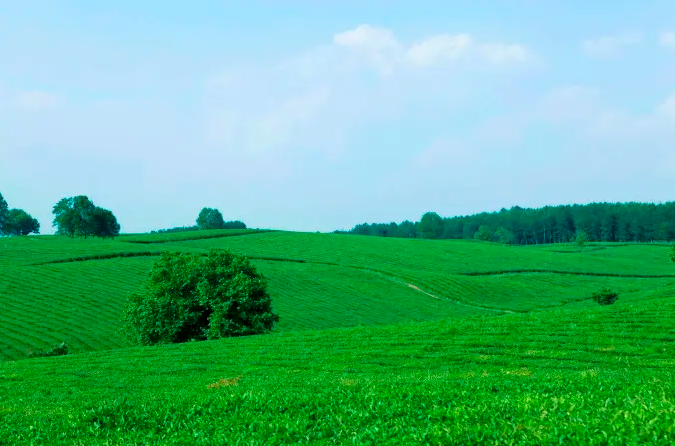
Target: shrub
[605,296]
[195,297]
[58,350]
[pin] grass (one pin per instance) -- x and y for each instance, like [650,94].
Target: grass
[168,237]
[58,289]
[596,376]
[381,341]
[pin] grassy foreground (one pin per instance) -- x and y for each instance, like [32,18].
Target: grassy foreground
[597,376]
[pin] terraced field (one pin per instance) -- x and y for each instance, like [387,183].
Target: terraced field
[594,376]
[55,289]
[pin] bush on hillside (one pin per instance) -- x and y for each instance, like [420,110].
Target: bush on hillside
[605,296]
[58,350]
[194,297]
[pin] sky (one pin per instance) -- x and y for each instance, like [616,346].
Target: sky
[316,116]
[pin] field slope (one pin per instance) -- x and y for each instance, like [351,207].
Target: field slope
[593,376]
[56,289]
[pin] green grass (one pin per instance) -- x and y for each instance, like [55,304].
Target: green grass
[596,376]
[344,280]
[381,341]
[167,237]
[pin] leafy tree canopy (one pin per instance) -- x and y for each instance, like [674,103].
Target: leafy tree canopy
[210,219]
[505,236]
[4,213]
[78,216]
[193,297]
[431,225]
[16,221]
[602,222]
[19,222]
[483,233]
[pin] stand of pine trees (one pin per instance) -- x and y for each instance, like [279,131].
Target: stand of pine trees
[602,222]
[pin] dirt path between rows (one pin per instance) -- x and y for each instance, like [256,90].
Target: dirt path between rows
[416,288]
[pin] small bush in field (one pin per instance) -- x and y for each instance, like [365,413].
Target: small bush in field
[605,296]
[191,297]
[58,350]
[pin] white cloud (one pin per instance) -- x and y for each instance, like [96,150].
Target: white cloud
[383,50]
[377,45]
[607,47]
[437,49]
[313,99]
[367,37]
[654,128]
[35,100]
[504,53]
[667,39]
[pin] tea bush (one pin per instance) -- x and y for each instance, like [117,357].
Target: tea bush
[194,297]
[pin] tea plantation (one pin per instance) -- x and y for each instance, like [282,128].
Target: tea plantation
[381,341]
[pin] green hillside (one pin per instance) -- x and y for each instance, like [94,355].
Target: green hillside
[596,376]
[56,289]
[381,341]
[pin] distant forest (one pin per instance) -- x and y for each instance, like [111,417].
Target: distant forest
[606,222]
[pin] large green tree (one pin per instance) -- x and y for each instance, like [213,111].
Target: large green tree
[431,225]
[483,234]
[20,222]
[194,297]
[78,216]
[104,223]
[210,219]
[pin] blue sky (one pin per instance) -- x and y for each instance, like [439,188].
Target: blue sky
[317,116]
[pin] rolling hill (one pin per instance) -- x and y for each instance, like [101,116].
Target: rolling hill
[381,341]
[56,289]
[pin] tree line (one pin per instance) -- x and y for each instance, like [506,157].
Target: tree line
[209,218]
[78,216]
[601,222]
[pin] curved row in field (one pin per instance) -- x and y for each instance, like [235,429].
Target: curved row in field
[81,302]
[600,376]
[188,235]
[317,281]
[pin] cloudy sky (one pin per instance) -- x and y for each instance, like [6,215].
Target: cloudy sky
[318,116]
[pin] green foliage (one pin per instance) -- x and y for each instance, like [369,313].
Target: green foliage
[210,219]
[192,297]
[104,224]
[431,225]
[19,222]
[672,254]
[483,234]
[605,296]
[78,216]
[16,221]
[72,216]
[343,280]
[180,236]
[4,214]
[504,236]
[61,349]
[603,222]
[548,378]
[581,239]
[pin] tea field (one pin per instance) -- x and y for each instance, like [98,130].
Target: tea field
[55,289]
[381,341]
[591,376]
